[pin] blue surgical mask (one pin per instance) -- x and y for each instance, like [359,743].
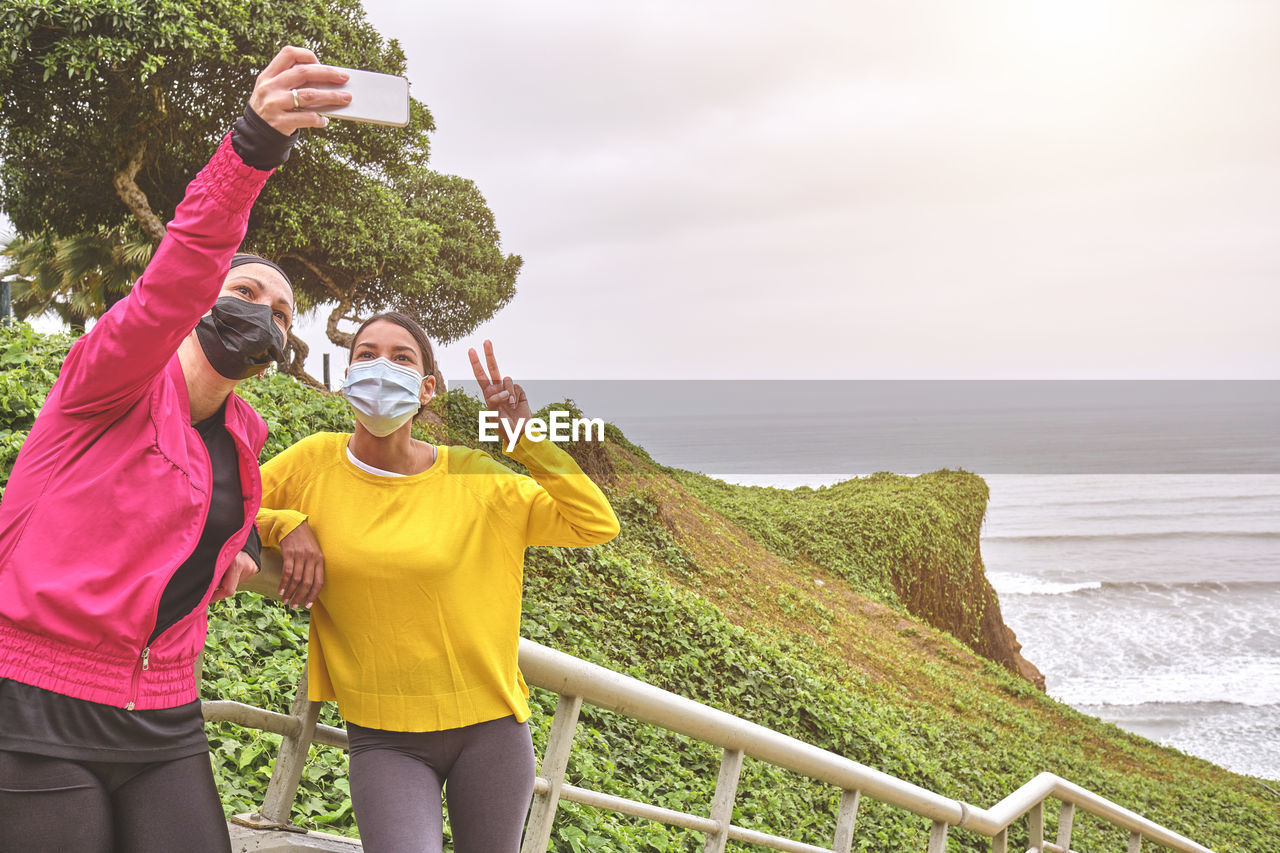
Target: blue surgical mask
[383,395]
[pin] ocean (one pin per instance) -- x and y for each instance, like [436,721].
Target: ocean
[1132,534]
[1150,601]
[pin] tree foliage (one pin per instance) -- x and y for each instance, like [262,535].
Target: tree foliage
[109,108]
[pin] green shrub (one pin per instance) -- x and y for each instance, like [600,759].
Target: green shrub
[976,735]
[29,363]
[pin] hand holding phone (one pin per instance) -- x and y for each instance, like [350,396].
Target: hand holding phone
[287,94]
[375,98]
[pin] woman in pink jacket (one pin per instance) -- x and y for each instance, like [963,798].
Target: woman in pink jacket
[131,506]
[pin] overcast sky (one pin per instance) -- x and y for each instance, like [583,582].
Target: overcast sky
[905,189]
[1028,189]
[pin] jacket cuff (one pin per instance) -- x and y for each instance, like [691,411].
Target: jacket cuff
[259,144]
[229,183]
[253,546]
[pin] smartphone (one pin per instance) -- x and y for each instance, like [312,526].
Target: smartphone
[375,98]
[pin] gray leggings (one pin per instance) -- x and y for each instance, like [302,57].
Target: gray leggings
[486,771]
[53,805]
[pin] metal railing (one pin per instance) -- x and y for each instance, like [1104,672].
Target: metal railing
[577,682]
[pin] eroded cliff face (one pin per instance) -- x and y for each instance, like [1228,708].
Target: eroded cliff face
[968,609]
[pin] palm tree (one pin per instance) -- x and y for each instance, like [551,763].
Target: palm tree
[77,277]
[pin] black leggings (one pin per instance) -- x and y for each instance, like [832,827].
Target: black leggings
[486,771]
[53,805]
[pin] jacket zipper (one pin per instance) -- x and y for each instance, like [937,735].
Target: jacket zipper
[143,664]
[144,659]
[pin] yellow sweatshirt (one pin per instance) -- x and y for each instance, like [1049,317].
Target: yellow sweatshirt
[417,626]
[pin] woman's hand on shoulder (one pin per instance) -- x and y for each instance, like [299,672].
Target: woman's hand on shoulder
[283,95]
[302,569]
[500,393]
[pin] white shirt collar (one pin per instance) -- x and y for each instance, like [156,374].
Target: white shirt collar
[377,472]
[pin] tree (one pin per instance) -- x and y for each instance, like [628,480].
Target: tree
[77,277]
[109,107]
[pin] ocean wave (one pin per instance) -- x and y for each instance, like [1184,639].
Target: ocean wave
[1098,698]
[1251,686]
[1181,706]
[1142,499]
[1182,517]
[1238,737]
[1026,585]
[1169,634]
[1009,584]
[1172,535]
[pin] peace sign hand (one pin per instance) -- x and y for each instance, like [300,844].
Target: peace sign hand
[500,393]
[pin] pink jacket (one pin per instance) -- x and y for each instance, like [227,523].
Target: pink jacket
[109,494]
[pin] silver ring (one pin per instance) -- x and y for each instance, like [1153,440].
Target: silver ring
[296,105]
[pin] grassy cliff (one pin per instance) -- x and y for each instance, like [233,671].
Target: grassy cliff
[812,612]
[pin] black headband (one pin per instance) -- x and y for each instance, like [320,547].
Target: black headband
[241,260]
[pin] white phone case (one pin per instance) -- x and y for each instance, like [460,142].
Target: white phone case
[375,98]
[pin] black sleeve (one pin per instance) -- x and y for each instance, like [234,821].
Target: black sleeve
[253,546]
[259,144]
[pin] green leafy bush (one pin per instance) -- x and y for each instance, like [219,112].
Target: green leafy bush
[292,410]
[254,654]
[872,531]
[972,732]
[29,363]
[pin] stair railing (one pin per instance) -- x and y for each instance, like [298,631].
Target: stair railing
[579,682]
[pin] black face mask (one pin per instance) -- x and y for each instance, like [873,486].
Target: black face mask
[240,338]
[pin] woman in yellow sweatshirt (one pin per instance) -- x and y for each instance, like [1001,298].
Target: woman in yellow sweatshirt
[415,632]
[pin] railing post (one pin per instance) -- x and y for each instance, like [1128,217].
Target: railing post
[938,837]
[542,813]
[1000,842]
[846,819]
[1066,815]
[286,772]
[1135,842]
[722,804]
[1035,827]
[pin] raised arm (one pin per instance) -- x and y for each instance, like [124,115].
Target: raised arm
[565,506]
[569,509]
[112,364]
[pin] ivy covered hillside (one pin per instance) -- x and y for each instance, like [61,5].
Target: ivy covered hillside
[856,618]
